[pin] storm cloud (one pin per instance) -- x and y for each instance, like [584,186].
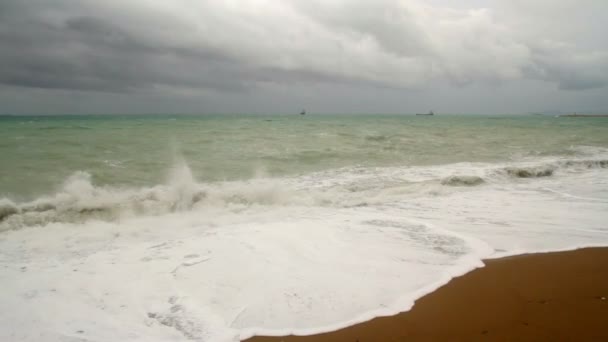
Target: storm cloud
[188,46]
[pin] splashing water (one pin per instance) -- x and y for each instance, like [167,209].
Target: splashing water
[219,258]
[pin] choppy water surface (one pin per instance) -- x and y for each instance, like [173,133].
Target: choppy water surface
[215,228]
[41,152]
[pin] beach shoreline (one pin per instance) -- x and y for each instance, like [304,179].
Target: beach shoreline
[558,296]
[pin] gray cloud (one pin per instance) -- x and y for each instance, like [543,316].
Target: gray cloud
[92,53]
[571,69]
[185,46]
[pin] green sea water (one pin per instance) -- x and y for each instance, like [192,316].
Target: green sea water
[217,228]
[39,153]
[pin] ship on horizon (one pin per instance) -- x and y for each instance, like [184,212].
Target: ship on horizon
[429,113]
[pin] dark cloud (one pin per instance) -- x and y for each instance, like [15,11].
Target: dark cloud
[185,46]
[89,53]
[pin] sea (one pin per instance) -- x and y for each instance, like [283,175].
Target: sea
[221,227]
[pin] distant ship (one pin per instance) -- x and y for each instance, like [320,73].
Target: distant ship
[303,112]
[429,113]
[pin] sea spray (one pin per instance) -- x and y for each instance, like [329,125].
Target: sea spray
[183,186]
[79,199]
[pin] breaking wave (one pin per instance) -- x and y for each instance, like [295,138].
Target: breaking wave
[530,172]
[79,199]
[549,168]
[541,170]
[589,164]
[462,181]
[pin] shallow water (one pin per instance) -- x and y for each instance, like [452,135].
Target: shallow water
[219,227]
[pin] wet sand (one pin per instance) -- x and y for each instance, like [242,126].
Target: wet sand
[559,296]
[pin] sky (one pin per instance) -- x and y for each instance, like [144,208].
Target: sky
[280,56]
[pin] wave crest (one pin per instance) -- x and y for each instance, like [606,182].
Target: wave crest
[7,208]
[589,164]
[530,172]
[79,199]
[462,181]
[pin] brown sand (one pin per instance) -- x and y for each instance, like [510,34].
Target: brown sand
[536,297]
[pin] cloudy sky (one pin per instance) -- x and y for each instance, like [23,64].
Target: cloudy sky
[278,56]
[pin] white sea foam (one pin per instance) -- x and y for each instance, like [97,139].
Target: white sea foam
[223,261]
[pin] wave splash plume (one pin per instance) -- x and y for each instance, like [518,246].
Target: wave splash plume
[79,199]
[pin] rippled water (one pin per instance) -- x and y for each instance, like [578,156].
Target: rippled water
[215,228]
[41,152]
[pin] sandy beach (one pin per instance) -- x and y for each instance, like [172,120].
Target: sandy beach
[561,296]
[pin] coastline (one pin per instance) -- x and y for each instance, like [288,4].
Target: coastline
[558,296]
[583,116]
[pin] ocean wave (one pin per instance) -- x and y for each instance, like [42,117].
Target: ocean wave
[551,167]
[530,172]
[462,181]
[64,127]
[7,208]
[590,163]
[376,138]
[538,170]
[79,199]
